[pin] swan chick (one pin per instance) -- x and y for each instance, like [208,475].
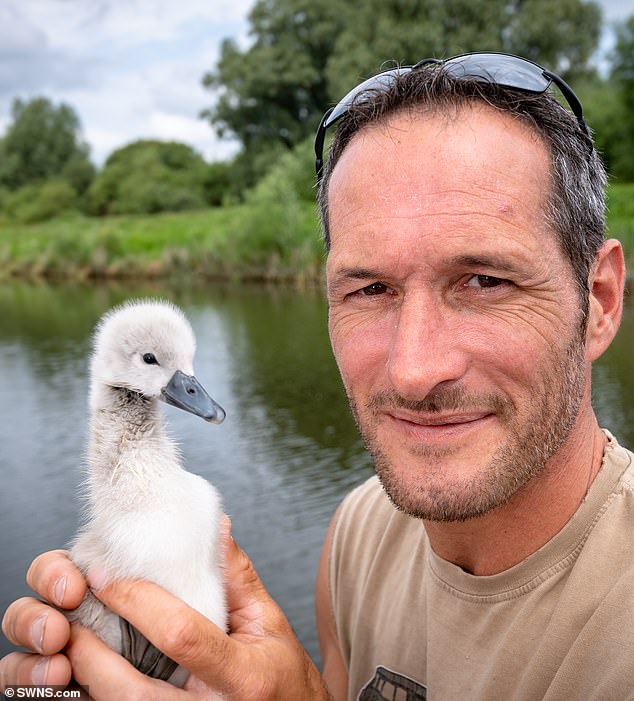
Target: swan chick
[145,515]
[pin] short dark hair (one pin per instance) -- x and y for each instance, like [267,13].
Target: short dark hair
[575,209]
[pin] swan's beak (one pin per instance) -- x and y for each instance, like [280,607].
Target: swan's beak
[185,392]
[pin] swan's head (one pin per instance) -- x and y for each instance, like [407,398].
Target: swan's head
[148,347]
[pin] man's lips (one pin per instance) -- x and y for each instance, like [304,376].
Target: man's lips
[437,419]
[432,428]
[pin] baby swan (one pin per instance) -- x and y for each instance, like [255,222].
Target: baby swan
[146,516]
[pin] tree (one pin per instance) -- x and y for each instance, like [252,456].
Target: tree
[149,176]
[623,60]
[306,54]
[44,142]
[561,35]
[269,94]
[623,75]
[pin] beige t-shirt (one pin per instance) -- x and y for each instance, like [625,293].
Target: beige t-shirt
[559,625]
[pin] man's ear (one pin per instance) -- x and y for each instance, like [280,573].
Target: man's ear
[606,285]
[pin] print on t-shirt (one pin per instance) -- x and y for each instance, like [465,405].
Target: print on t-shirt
[387,685]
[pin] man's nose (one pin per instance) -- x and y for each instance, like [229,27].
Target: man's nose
[427,347]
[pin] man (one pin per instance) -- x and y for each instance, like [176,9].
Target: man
[470,290]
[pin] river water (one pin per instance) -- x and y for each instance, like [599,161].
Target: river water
[282,460]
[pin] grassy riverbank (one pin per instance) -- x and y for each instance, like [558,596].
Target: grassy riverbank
[278,240]
[224,242]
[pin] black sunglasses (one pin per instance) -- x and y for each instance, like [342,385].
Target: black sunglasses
[501,69]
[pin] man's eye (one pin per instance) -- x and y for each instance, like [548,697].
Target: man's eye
[484,281]
[376,288]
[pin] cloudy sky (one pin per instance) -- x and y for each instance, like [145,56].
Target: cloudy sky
[130,68]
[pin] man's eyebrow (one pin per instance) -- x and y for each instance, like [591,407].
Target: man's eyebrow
[345,275]
[357,274]
[496,262]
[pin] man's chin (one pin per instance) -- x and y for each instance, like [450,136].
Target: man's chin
[448,482]
[440,500]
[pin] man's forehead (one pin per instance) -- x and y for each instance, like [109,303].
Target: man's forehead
[477,135]
[480,164]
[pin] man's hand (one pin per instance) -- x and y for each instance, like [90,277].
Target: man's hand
[261,658]
[32,624]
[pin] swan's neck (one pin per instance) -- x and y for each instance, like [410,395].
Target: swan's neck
[124,426]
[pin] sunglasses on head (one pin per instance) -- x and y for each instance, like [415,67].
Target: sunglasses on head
[500,69]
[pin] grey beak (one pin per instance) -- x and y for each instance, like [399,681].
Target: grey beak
[185,392]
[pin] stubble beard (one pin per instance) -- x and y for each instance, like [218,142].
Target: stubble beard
[530,442]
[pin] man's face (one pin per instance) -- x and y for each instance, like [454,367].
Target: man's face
[454,316]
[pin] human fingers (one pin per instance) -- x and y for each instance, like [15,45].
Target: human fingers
[30,623]
[261,659]
[179,631]
[57,579]
[22,668]
[108,676]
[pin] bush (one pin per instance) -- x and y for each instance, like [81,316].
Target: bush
[217,183]
[276,230]
[607,114]
[147,177]
[36,203]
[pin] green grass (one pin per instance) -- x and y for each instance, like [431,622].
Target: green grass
[223,242]
[273,237]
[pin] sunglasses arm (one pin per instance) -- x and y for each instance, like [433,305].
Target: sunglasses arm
[319,144]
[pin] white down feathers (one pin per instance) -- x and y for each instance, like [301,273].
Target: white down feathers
[145,516]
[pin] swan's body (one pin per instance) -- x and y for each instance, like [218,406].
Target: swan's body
[146,516]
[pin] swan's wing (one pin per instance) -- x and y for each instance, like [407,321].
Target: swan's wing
[140,652]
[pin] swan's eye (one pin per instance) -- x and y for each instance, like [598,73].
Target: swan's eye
[150,359]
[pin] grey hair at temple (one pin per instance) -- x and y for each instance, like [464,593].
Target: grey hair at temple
[575,208]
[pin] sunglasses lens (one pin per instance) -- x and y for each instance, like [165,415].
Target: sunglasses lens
[510,71]
[377,83]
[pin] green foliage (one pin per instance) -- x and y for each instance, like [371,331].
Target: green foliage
[623,63]
[603,109]
[149,176]
[561,35]
[623,76]
[250,165]
[275,230]
[271,96]
[609,107]
[621,216]
[297,167]
[43,142]
[306,54]
[36,203]
[273,90]
[217,182]
[211,242]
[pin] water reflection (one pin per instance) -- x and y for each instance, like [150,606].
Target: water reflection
[282,460]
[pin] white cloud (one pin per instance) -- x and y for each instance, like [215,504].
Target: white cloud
[131,69]
[173,127]
[616,10]
[103,142]
[28,59]
[88,25]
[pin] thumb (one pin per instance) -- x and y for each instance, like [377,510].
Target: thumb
[252,611]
